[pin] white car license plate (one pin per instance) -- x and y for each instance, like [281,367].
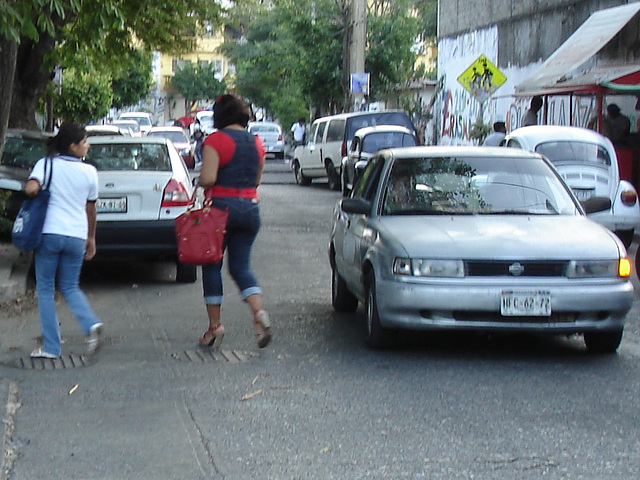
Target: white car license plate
[534,303]
[112,205]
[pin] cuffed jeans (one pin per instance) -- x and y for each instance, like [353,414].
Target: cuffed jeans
[243,225]
[60,257]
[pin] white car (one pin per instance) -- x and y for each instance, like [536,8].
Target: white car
[180,140]
[476,238]
[144,185]
[143,118]
[130,126]
[271,135]
[588,163]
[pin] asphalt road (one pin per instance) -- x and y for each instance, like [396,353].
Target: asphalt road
[316,404]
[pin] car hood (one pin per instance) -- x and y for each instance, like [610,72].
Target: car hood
[499,237]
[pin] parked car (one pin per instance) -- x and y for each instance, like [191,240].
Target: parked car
[271,135]
[365,143]
[180,140]
[143,186]
[22,149]
[588,163]
[132,126]
[329,140]
[94,130]
[143,118]
[205,117]
[476,238]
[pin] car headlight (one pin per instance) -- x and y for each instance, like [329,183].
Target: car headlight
[599,268]
[428,267]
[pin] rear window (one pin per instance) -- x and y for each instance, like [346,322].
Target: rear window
[336,131]
[381,140]
[575,152]
[177,137]
[264,128]
[123,157]
[22,152]
[382,118]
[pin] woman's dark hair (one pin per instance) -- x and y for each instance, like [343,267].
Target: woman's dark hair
[69,132]
[228,110]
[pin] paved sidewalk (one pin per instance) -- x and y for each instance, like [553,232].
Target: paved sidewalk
[14,272]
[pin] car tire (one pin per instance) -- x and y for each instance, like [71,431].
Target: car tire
[186,273]
[626,236]
[301,179]
[341,298]
[377,336]
[333,177]
[606,342]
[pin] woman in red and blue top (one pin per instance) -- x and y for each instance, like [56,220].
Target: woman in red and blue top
[232,164]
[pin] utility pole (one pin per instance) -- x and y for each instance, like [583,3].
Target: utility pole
[357,46]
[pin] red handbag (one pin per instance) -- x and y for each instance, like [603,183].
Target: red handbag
[200,233]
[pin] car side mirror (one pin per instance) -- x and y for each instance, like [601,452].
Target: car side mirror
[358,206]
[596,204]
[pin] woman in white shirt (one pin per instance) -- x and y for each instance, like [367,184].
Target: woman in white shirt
[68,236]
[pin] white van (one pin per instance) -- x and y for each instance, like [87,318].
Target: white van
[329,139]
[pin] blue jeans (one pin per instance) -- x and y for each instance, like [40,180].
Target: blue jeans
[60,256]
[243,225]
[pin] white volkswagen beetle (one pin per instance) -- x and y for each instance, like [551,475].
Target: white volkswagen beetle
[588,163]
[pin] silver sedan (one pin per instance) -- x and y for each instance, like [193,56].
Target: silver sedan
[476,238]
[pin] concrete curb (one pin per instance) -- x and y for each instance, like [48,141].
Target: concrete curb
[14,272]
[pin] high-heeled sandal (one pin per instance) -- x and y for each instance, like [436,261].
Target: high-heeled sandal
[263,328]
[211,335]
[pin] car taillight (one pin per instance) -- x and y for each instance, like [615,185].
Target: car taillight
[343,150]
[175,194]
[629,198]
[280,137]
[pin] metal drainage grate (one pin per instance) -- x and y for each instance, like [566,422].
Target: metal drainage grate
[204,356]
[62,363]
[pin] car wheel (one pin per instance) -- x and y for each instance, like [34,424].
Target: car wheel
[626,236]
[377,336]
[341,298]
[333,177]
[603,342]
[186,273]
[301,179]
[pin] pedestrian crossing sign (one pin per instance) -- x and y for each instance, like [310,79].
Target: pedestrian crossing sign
[482,79]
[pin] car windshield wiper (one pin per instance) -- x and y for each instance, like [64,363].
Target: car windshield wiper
[514,212]
[419,211]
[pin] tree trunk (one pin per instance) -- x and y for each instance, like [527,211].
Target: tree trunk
[8,53]
[30,81]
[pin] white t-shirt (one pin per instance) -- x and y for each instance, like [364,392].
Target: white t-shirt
[73,184]
[298,131]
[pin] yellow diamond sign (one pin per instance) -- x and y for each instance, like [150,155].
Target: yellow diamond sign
[481,79]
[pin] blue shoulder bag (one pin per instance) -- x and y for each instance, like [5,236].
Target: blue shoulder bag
[26,233]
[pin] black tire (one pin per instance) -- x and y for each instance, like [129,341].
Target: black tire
[341,297]
[377,336]
[603,342]
[626,236]
[301,179]
[333,177]
[186,273]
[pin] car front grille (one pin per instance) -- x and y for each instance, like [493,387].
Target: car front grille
[532,268]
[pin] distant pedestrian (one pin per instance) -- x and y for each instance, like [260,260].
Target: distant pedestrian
[69,236]
[615,126]
[298,131]
[499,132]
[531,116]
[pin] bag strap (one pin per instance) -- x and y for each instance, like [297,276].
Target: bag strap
[48,162]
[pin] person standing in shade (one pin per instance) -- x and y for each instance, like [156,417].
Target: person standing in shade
[499,132]
[69,236]
[615,126]
[531,115]
[233,160]
[298,132]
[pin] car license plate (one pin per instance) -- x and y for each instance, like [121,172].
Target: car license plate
[112,205]
[583,193]
[534,303]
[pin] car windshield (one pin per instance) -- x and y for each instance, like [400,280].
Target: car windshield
[22,152]
[575,152]
[135,126]
[176,137]
[143,120]
[482,185]
[380,140]
[371,120]
[129,156]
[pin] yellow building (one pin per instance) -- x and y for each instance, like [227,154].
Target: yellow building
[204,54]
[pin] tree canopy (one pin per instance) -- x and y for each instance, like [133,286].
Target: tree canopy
[197,82]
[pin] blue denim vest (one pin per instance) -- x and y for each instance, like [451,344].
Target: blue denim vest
[242,170]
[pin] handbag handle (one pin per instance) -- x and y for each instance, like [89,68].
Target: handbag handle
[48,161]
